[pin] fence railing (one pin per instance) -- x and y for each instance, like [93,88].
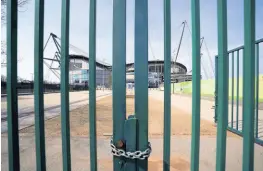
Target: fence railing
[139,122]
[235,117]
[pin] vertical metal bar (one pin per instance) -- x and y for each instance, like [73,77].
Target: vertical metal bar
[232,91]
[130,132]
[223,67]
[38,86]
[141,75]
[167,85]
[216,89]
[119,76]
[92,86]
[12,111]
[243,90]
[249,85]
[195,11]
[65,119]
[237,102]
[257,87]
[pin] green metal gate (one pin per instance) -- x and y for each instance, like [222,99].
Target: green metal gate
[235,115]
[136,126]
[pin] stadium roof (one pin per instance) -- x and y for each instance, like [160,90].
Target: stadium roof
[104,65]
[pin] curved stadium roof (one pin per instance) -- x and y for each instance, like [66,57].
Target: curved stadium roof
[152,62]
[104,65]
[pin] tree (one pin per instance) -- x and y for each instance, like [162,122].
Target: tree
[21,4]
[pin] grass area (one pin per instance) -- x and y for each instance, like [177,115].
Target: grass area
[208,88]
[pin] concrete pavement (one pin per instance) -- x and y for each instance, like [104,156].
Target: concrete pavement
[51,106]
[184,103]
[180,147]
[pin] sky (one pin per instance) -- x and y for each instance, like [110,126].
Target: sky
[180,11]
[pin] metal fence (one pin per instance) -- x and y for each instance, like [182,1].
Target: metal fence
[28,88]
[235,114]
[137,126]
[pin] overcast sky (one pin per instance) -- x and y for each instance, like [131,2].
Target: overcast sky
[79,25]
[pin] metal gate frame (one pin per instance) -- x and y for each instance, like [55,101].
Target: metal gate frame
[141,90]
[236,125]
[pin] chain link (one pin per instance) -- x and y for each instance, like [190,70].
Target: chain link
[141,155]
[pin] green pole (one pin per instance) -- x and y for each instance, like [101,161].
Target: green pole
[223,64]
[119,77]
[216,89]
[141,75]
[243,90]
[232,91]
[195,11]
[167,85]
[237,111]
[130,132]
[92,86]
[12,111]
[257,87]
[38,86]
[65,119]
[249,85]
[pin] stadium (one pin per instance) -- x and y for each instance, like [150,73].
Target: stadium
[79,70]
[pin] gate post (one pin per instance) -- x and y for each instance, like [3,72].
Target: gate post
[119,77]
[257,89]
[130,129]
[65,118]
[38,88]
[216,88]
[167,85]
[249,85]
[12,106]
[141,75]
[237,102]
[92,86]
[222,85]
[196,72]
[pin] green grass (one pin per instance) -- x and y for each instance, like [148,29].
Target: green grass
[208,88]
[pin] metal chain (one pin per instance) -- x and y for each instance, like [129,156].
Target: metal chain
[141,155]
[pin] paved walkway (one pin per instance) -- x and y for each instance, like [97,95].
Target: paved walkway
[180,148]
[184,103]
[51,103]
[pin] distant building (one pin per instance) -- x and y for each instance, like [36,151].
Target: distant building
[79,71]
[158,67]
[178,71]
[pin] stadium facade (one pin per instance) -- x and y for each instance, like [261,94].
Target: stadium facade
[79,71]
